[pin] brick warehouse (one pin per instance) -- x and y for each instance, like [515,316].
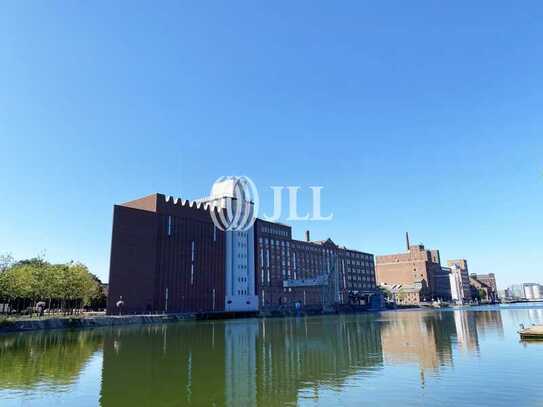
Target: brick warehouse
[168,256]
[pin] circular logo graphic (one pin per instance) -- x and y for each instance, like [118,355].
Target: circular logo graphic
[235,201]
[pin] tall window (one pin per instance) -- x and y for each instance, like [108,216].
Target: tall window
[192,263]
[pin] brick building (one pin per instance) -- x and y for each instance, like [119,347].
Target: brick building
[310,273]
[416,266]
[168,256]
[488,280]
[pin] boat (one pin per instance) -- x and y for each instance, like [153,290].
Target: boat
[534,332]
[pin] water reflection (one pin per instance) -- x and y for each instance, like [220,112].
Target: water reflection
[429,338]
[415,337]
[53,359]
[246,361]
[240,362]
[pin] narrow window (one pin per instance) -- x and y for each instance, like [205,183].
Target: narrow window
[169,225]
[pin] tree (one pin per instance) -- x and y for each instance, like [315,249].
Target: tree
[386,293]
[6,261]
[70,285]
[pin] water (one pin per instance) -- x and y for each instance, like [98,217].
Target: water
[460,357]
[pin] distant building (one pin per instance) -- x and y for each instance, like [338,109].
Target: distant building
[404,294]
[525,291]
[532,291]
[457,287]
[460,267]
[416,266]
[516,292]
[481,290]
[489,280]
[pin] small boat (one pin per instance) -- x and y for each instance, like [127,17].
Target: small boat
[532,332]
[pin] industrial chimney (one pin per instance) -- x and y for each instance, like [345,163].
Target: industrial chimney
[307,237]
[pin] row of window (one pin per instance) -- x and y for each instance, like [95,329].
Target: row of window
[349,254]
[274,231]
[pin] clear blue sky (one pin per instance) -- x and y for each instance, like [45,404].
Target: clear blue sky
[419,116]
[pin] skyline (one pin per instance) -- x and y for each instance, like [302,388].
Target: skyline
[425,120]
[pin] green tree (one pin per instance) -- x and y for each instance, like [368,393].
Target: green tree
[68,285]
[6,261]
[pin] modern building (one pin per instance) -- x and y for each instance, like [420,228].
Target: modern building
[416,266]
[168,256]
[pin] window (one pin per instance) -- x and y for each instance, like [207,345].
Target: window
[169,228]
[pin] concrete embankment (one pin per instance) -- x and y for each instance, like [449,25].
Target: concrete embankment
[87,322]
[77,322]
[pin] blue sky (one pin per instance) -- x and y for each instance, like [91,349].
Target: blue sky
[420,116]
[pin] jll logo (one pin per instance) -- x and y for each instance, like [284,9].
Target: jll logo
[238,203]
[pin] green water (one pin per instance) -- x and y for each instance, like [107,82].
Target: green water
[461,357]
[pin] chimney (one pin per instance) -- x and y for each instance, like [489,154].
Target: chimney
[407,240]
[307,237]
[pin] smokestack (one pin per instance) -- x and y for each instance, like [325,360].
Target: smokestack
[307,237]
[407,240]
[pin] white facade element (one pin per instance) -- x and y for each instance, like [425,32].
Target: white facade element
[532,291]
[240,292]
[240,271]
[529,292]
[538,291]
[457,292]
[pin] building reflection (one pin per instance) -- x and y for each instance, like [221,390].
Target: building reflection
[302,354]
[423,338]
[164,364]
[430,338]
[488,323]
[53,360]
[239,362]
[467,336]
[525,314]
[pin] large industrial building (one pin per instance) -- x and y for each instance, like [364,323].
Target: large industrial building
[168,255]
[416,267]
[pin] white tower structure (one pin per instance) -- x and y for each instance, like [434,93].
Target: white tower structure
[228,195]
